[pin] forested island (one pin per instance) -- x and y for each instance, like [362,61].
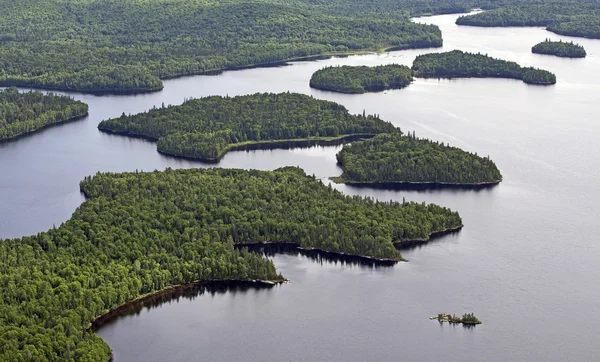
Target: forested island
[139,233]
[560,49]
[395,160]
[26,112]
[207,128]
[459,64]
[361,79]
[467,319]
[569,17]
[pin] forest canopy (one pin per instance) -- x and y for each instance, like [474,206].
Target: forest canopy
[26,112]
[459,64]
[560,49]
[394,158]
[207,128]
[566,17]
[126,46]
[140,232]
[361,79]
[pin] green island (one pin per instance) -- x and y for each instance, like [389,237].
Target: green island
[459,64]
[361,79]
[395,160]
[467,319]
[207,128]
[568,17]
[27,112]
[141,233]
[560,49]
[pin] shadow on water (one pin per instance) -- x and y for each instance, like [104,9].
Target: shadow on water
[318,256]
[187,292]
[416,245]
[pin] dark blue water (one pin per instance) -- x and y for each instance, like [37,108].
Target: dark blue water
[526,262]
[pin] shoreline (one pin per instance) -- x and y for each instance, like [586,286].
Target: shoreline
[432,235]
[409,185]
[378,90]
[255,145]
[450,77]
[340,255]
[169,292]
[49,125]
[217,71]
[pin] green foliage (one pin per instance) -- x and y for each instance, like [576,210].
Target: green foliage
[567,17]
[469,318]
[390,158]
[22,113]
[459,64]
[207,128]
[124,46]
[361,79]
[140,232]
[559,48]
[583,26]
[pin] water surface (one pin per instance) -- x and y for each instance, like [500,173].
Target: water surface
[526,262]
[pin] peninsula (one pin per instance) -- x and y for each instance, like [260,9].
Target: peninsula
[395,160]
[27,112]
[459,64]
[142,233]
[207,128]
[361,79]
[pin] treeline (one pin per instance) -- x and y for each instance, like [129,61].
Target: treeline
[22,113]
[394,158]
[559,48]
[459,64]
[207,128]
[129,46]
[140,232]
[571,17]
[361,79]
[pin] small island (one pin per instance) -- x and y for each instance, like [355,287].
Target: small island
[467,319]
[206,129]
[459,64]
[560,49]
[24,113]
[398,161]
[361,79]
[145,234]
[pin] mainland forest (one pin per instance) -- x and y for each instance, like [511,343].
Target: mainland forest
[140,232]
[207,128]
[361,79]
[459,64]
[566,17]
[560,49]
[395,158]
[26,112]
[122,46]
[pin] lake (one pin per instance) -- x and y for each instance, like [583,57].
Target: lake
[526,262]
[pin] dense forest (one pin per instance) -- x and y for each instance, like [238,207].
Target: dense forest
[361,79]
[22,113]
[207,128]
[567,17]
[141,232]
[559,48]
[459,64]
[394,158]
[125,46]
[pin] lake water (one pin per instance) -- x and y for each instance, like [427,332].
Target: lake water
[526,262]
